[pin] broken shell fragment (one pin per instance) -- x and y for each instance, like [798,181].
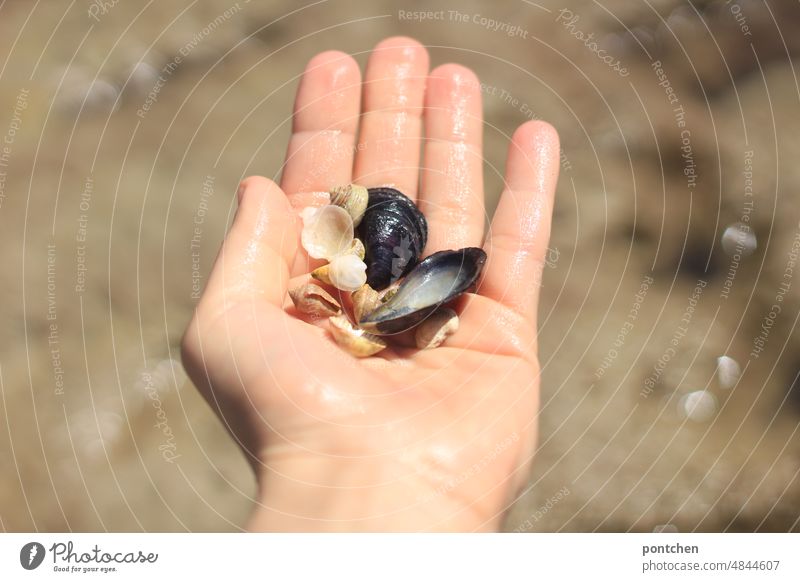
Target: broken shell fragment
[321,274]
[327,231]
[347,272]
[432,332]
[389,292]
[441,277]
[356,342]
[314,300]
[357,249]
[353,198]
[365,300]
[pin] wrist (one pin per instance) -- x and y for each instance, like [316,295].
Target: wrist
[322,494]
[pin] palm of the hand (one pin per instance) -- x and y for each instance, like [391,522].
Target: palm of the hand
[451,424]
[407,439]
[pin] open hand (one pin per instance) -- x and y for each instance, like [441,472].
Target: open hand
[405,440]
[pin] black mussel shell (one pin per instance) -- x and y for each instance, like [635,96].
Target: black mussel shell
[441,277]
[394,233]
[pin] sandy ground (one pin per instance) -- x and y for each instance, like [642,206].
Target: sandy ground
[689,129]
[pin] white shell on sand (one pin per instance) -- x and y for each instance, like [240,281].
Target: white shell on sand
[728,371]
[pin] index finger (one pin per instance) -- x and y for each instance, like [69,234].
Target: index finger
[321,149]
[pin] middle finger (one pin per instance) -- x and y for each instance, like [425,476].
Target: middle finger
[391,126]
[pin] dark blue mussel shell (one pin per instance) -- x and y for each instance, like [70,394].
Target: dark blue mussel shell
[394,233]
[440,278]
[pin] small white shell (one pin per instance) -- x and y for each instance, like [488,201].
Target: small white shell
[432,332]
[347,272]
[700,405]
[740,239]
[327,231]
[356,342]
[728,371]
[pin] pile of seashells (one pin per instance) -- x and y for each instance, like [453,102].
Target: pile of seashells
[372,239]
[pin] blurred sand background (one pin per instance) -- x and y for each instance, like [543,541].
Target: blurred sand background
[105,170]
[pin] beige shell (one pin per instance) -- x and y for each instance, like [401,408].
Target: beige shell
[314,300]
[358,249]
[321,274]
[353,198]
[432,332]
[327,231]
[356,342]
[365,299]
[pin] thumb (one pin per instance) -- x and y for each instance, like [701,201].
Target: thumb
[258,250]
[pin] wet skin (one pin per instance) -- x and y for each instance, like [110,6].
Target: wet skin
[405,440]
